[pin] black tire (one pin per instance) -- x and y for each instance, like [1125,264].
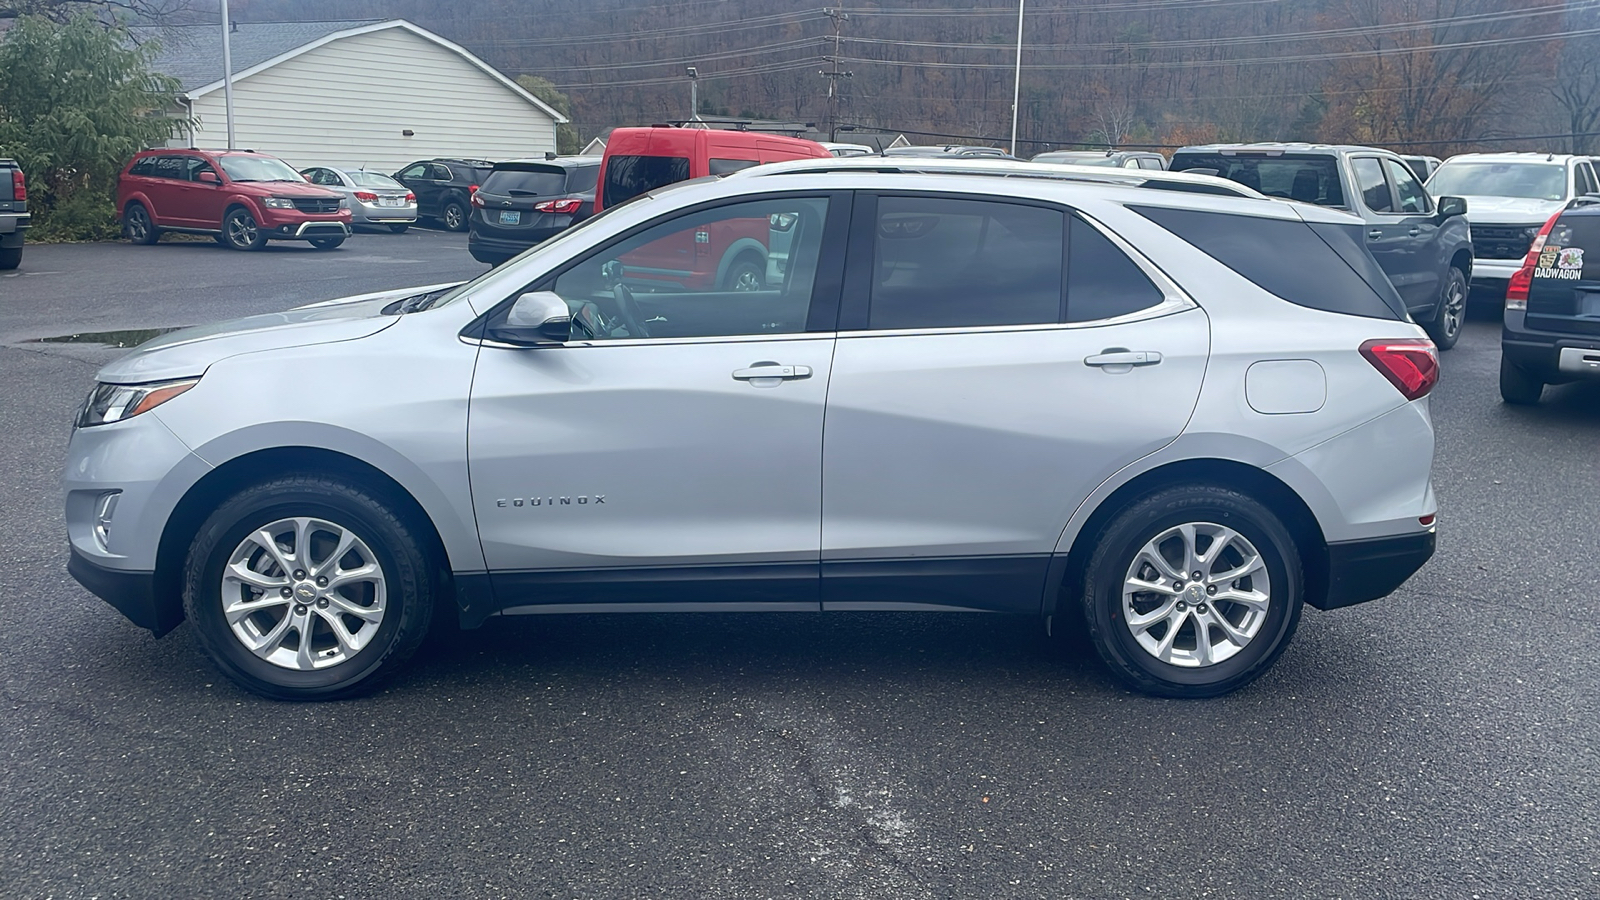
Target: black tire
[326,243]
[746,274]
[453,216]
[10,258]
[399,229]
[1116,551]
[1517,386]
[240,231]
[409,598]
[1445,328]
[137,226]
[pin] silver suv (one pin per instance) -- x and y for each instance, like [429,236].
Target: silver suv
[1168,417]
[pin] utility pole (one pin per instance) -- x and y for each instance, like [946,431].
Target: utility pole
[227,71]
[839,18]
[1016,86]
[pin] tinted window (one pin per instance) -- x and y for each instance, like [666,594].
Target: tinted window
[1586,182]
[581,179]
[1371,185]
[1528,181]
[145,167]
[175,167]
[1101,280]
[1307,178]
[629,176]
[1413,199]
[742,269]
[725,166]
[196,166]
[948,263]
[529,181]
[1149,163]
[1305,265]
[417,171]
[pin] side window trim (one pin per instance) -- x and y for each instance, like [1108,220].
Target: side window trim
[1394,200]
[1397,169]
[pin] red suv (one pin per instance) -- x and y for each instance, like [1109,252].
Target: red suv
[241,198]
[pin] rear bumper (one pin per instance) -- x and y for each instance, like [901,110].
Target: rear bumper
[1359,571]
[131,593]
[1552,356]
[497,250]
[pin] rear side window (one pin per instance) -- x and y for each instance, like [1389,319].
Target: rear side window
[726,166]
[629,176]
[1102,281]
[1322,267]
[144,167]
[944,263]
[527,181]
[174,167]
[582,178]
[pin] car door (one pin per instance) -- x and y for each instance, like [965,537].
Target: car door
[207,200]
[980,393]
[418,178]
[1425,259]
[164,191]
[675,438]
[1387,239]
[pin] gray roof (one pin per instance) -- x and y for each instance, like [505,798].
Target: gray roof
[193,53]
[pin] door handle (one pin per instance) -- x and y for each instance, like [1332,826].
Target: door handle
[1414,231]
[1114,357]
[1375,234]
[771,370]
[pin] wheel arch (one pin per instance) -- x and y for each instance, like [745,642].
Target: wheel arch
[139,198]
[1067,570]
[1462,259]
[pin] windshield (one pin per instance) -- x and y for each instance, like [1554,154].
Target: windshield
[373,179]
[1524,181]
[258,168]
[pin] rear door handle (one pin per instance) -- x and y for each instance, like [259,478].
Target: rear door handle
[1123,358]
[1375,234]
[1414,232]
[771,370]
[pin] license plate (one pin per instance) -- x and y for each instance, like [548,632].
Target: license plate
[511,217]
[391,201]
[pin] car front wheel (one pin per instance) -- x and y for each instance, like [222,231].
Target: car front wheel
[1193,591]
[1445,329]
[240,231]
[308,588]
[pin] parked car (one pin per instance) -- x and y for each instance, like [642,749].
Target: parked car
[949,150]
[1552,314]
[241,198]
[639,160]
[1511,196]
[847,149]
[375,199]
[1120,159]
[1423,246]
[14,217]
[1172,417]
[526,201]
[444,188]
[1421,166]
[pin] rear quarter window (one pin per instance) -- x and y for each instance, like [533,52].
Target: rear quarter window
[728,166]
[1320,267]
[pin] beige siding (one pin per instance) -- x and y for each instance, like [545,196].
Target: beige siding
[347,102]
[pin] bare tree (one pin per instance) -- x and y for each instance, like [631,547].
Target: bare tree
[154,12]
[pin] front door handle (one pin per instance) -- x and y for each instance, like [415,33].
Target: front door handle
[1375,234]
[1414,232]
[1130,358]
[771,370]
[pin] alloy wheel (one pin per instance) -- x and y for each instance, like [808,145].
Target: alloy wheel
[1196,594]
[138,224]
[452,217]
[303,593]
[242,231]
[1455,306]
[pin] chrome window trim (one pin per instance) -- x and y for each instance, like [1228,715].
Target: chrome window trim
[663,342]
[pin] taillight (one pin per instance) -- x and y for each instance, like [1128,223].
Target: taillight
[565,207]
[366,196]
[410,197]
[472,189]
[19,185]
[1412,366]
[1522,280]
[476,200]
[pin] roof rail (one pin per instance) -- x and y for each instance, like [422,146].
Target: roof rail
[1004,168]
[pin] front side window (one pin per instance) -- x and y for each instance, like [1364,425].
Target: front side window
[946,263]
[1413,199]
[420,170]
[1371,185]
[629,176]
[742,269]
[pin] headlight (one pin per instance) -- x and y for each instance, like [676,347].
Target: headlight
[109,403]
[278,203]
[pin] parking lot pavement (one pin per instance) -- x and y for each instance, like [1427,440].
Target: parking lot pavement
[1439,743]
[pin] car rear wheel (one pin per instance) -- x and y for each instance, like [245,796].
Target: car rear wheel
[1193,591]
[240,231]
[399,229]
[10,258]
[747,274]
[137,225]
[308,588]
[1445,329]
[1517,386]
[454,216]
[326,243]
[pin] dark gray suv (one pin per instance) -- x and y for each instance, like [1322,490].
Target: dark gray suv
[1422,244]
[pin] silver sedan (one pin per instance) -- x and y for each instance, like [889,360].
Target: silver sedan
[375,199]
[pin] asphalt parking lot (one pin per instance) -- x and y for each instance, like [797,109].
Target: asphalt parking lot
[1440,743]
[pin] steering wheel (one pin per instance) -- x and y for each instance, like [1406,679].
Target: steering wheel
[628,310]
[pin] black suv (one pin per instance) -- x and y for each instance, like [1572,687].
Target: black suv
[14,218]
[1552,318]
[444,188]
[526,201]
[1423,246]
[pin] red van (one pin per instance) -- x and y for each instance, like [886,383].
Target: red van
[642,159]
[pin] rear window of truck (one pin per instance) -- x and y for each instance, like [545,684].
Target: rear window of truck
[629,176]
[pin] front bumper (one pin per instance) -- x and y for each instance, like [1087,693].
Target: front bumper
[131,593]
[1359,571]
[1494,272]
[281,224]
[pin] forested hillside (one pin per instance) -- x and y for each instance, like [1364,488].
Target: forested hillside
[1100,71]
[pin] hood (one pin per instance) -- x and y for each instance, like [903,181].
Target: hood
[282,188]
[188,352]
[1510,210]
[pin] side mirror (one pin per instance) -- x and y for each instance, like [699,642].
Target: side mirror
[1452,206]
[208,178]
[538,319]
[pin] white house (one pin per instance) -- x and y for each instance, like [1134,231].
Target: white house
[377,94]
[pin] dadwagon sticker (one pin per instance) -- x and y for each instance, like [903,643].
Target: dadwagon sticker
[1548,255]
[1571,258]
[1560,263]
